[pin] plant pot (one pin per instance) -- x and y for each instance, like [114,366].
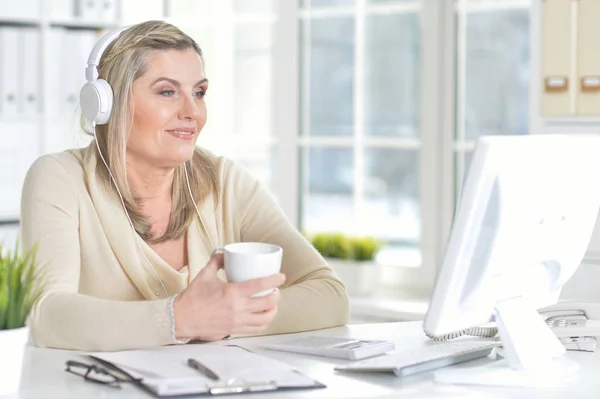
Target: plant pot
[12,350]
[360,277]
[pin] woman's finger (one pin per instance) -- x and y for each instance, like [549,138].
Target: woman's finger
[261,318]
[214,264]
[255,286]
[260,304]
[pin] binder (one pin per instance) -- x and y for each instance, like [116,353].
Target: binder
[29,86]
[163,372]
[556,49]
[71,72]
[87,10]
[77,45]
[588,60]
[107,10]
[15,160]
[20,9]
[10,51]
[55,57]
[62,9]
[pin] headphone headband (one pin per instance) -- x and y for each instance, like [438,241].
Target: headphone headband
[96,96]
[91,71]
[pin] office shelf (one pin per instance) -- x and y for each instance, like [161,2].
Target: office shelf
[43,30]
[19,21]
[74,23]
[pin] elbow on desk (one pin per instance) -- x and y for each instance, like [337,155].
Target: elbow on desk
[51,326]
[46,330]
[335,306]
[341,306]
[42,331]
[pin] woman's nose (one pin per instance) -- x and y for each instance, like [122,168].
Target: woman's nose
[189,108]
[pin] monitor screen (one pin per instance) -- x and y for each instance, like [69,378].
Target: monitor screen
[523,223]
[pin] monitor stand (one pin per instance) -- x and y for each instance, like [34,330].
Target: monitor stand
[532,355]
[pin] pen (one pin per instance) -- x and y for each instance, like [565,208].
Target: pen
[193,363]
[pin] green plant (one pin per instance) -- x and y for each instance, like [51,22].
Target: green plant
[19,286]
[341,246]
[364,248]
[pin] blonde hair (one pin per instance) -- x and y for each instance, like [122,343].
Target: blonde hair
[123,61]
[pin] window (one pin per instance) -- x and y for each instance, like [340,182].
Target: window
[393,96]
[493,40]
[236,37]
[360,144]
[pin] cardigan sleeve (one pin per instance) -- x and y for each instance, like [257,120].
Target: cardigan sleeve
[312,296]
[62,317]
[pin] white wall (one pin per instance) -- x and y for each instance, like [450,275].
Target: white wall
[8,235]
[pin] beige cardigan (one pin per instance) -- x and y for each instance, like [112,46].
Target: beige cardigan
[99,292]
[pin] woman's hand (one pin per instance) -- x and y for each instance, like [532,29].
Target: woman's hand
[210,309]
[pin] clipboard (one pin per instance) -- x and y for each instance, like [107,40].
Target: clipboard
[243,371]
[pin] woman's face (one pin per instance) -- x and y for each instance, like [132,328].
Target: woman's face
[168,109]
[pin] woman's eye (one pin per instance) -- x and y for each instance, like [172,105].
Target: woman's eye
[166,93]
[200,93]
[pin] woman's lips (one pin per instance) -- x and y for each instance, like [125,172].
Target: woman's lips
[182,134]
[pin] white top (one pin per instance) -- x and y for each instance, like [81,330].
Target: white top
[44,374]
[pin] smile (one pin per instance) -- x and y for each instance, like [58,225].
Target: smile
[181,134]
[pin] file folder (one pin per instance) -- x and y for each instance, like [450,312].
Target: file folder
[107,10]
[77,45]
[29,86]
[62,9]
[55,57]
[10,52]
[87,10]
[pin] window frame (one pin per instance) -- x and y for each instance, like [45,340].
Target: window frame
[451,178]
[440,62]
[436,55]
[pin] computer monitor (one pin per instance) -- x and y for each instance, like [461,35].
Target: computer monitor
[523,223]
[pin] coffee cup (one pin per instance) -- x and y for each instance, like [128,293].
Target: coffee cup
[251,260]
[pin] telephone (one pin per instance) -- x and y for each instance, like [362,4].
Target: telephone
[576,324]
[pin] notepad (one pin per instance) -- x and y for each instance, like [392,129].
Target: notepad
[164,371]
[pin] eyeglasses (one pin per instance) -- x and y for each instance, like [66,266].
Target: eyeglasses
[98,374]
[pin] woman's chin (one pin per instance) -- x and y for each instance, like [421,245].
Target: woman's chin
[178,158]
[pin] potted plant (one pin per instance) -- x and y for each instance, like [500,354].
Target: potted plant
[352,258]
[19,289]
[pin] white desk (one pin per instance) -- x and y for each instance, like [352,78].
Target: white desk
[44,376]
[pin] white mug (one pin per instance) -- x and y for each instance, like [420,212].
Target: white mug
[250,260]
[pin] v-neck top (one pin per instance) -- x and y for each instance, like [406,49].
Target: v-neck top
[100,293]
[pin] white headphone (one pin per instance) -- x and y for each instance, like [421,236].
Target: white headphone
[96,96]
[96,100]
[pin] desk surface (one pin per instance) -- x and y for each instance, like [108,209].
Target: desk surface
[44,376]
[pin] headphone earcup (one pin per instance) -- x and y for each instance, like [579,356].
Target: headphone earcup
[96,99]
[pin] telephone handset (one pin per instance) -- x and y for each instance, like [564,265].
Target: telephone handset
[576,324]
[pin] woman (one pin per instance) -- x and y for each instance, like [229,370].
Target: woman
[110,288]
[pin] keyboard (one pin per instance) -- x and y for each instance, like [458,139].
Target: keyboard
[345,348]
[314,341]
[430,357]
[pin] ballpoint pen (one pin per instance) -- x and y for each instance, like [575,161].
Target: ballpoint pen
[193,363]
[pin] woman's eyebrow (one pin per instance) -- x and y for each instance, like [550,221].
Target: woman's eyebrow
[176,83]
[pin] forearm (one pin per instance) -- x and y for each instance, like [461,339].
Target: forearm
[310,305]
[79,322]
